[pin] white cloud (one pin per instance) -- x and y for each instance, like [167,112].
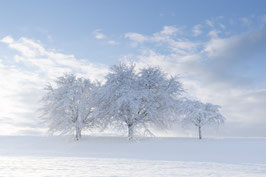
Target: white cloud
[7,39]
[112,42]
[222,26]
[246,21]
[26,73]
[166,38]
[163,35]
[98,34]
[209,23]
[197,30]
[48,62]
[170,30]
[237,46]
[214,33]
[136,37]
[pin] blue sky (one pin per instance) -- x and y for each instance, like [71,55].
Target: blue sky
[217,48]
[67,26]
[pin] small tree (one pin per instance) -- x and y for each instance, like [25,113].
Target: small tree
[67,106]
[200,114]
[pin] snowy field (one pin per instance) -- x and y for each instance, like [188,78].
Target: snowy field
[115,156]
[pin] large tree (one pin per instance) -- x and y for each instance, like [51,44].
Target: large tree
[201,114]
[137,100]
[159,100]
[117,100]
[67,106]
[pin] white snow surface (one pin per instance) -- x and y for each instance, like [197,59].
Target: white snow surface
[114,156]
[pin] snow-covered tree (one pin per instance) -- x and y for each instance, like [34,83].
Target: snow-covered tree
[201,114]
[159,99]
[117,100]
[137,100]
[68,105]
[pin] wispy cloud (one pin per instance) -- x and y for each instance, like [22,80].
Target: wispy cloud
[112,42]
[246,21]
[48,62]
[168,37]
[214,33]
[209,23]
[197,30]
[136,37]
[170,30]
[98,34]
[162,35]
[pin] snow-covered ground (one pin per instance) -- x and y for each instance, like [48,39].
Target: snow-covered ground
[115,156]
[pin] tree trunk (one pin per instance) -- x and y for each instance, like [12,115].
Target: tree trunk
[130,132]
[200,133]
[78,129]
[78,133]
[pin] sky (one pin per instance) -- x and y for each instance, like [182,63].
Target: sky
[217,48]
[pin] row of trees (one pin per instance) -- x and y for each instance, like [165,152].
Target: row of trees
[136,100]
